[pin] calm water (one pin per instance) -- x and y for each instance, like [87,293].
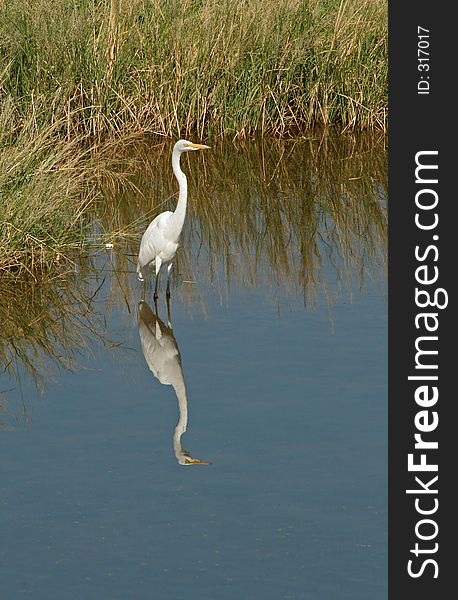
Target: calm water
[271,366]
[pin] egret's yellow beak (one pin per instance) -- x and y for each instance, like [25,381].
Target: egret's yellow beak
[196,461]
[197,146]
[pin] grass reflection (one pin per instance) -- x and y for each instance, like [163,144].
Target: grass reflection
[296,216]
[46,326]
[268,212]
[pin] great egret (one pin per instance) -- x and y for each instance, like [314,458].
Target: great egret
[160,241]
[162,356]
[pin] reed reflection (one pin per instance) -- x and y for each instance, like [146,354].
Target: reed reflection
[266,212]
[47,324]
[162,355]
[306,217]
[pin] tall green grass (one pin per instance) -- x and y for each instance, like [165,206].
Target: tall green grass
[43,194]
[47,186]
[209,67]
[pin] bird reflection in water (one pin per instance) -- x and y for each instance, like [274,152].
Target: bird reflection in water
[163,358]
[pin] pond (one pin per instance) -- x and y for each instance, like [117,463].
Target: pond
[231,444]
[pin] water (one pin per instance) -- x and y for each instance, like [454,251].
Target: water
[272,370]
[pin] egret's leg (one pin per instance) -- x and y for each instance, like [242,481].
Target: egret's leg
[169,268]
[158,268]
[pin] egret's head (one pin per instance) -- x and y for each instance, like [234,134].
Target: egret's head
[184,458]
[185,146]
[194,461]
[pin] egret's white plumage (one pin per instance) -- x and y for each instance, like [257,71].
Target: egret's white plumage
[160,241]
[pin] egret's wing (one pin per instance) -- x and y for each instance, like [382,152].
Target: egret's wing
[153,240]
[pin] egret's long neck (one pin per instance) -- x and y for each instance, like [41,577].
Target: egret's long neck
[180,210]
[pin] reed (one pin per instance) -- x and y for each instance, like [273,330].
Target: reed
[176,67]
[43,196]
[47,185]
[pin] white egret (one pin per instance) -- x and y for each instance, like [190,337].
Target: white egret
[162,356]
[160,241]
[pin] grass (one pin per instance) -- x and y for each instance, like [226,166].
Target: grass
[48,185]
[77,75]
[43,196]
[206,67]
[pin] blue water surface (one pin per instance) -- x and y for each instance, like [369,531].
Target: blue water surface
[287,402]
